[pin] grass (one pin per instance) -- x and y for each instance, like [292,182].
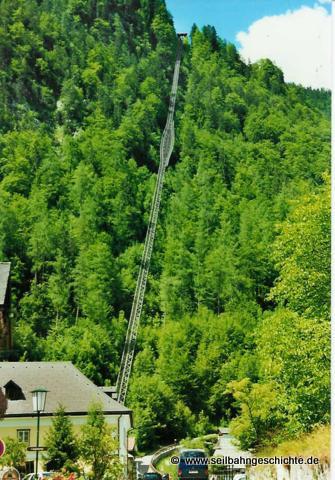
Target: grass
[165,466]
[316,444]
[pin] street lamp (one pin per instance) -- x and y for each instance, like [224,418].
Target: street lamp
[39,398]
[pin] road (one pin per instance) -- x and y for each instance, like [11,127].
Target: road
[226,447]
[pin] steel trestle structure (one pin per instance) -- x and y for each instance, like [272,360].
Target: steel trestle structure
[166,148]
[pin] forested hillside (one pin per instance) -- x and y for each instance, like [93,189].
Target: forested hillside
[236,317]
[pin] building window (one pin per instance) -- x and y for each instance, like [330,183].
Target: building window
[23,436]
[13,391]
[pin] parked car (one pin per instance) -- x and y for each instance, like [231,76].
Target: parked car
[152,476]
[192,464]
[40,476]
[240,476]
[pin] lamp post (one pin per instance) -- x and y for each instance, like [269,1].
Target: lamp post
[39,398]
[133,464]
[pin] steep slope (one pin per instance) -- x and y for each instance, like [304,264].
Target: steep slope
[85,93]
[246,234]
[240,271]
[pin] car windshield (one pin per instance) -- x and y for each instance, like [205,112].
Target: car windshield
[192,454]
[152,476]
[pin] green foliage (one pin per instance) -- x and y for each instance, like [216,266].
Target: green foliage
[73,207]
[88,346]
[319,99]
[242,143]
[269,75]
[157,413]
[302,253]
[260,414]
[61,443]
[243,228]
[293,392]
[296,355]
[15,454]
[94,282]
[99,447]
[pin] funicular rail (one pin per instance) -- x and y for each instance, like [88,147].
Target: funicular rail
[166,148]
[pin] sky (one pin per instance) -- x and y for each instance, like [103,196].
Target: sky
[294,34]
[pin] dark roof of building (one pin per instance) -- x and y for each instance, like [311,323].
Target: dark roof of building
[66,386]
[4,276]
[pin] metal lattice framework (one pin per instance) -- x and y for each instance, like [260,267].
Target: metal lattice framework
[166,148]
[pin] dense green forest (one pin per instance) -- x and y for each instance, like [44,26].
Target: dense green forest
[235,325]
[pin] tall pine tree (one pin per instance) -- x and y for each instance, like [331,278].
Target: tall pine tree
[61,442]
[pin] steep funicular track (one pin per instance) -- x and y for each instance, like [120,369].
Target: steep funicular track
[166,148]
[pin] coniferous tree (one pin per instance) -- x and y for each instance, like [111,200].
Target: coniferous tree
[243,227]
[61,442]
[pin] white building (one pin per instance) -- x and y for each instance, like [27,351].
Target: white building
[67,387]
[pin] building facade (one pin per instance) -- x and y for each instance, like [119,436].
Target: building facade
[67,387]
